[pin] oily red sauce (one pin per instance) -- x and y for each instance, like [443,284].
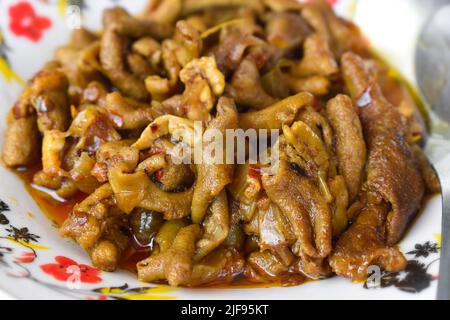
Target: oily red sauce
[55,208]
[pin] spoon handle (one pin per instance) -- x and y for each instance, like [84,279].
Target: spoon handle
[443,169]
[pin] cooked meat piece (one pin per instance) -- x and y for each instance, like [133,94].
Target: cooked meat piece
[78,59]
[162,11]
[176,264]
[213,178]
[338,189]
[84,223]
[111,56]
[94,93]
[318,60]
[52,152]
[275,231]
[341,35]
[50,99]
[173,205]
[246,88]
[82,176]
[22,142]
[216,226]
[118,20]
[192,6]
[139,66]
[234,45]
[316,85]
[81,38]
[286,30]
[190,42]
[128,114]
[167,234]
[392,170]
[302,203]
[364,244]
[267,265]
[105,255]
[350,145]
[221,267]
[314,268]
[277,115]
[283,5]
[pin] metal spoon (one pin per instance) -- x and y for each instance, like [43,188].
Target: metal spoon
[433,74]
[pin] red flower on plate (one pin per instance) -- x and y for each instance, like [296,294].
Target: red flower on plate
[26,257]
[24,21]
[66,269]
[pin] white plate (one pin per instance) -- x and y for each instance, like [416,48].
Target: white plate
[35,262]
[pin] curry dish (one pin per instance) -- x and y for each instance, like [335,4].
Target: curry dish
[95,128]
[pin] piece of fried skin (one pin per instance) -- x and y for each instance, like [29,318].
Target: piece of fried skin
[302,203]
[206,68]
[392,169]
[192,6]
[139,66]
[175,177]
[363,245]
[318,60]
[350,146]
[233,46]
[221,266]
[50,99]
[275,116]
[82,176]
[313,268]
[168,232]
[80,44]
[120,21]
[198,100]
[340,194]
[128,114]
[346,36]
[246,88]
[216,227]
[190,41]
[275,231]
[319,124]
[85,222]
[267,265]
[175,264]
[213,178]
[316,85]
[286,30]
[152,268]
[203,84]
[53,145]
[172,205]
[179,128]
[112,48]
[105,255]
[94,93]
[316,19]
[283,5]
[22,142]
[162,11]
[179,262]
